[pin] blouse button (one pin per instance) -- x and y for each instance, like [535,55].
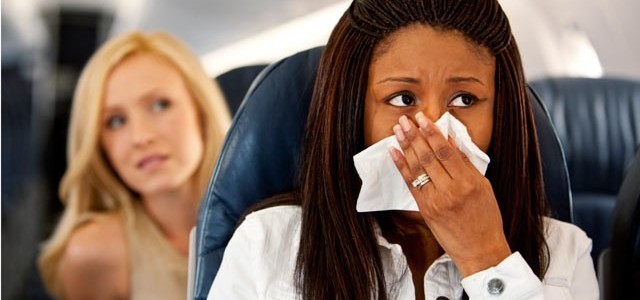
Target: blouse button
[495,286]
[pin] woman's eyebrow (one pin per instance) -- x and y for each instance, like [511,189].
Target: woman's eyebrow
[459,79]
[400,79]
[454,79]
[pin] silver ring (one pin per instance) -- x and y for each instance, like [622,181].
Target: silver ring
[420,181]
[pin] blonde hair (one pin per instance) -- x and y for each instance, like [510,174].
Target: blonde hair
[89,185]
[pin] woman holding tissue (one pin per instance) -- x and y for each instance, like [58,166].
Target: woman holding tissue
[389,71]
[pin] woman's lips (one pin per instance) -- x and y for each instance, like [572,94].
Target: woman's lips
[151,162]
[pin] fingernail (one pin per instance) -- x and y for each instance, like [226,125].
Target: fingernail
[404,122]
[398,132]
[394,154]
[422,120]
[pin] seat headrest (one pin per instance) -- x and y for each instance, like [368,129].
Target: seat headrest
[598,122]
[235,83]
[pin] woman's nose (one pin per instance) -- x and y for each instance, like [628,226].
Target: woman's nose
[142,132]
[433,110]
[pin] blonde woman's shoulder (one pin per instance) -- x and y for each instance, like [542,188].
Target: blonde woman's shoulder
[95,261]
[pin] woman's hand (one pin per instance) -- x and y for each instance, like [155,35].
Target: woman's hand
[457,203]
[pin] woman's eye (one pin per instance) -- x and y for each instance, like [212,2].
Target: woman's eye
[160,105]
[115,122]
[402,100]
[463,100]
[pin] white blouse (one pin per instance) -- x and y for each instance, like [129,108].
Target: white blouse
[259,263]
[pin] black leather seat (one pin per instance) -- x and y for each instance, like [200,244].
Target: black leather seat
[260,157]
[598,122]
[619,265]
[236,82]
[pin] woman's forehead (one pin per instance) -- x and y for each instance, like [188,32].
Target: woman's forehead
[420,51]
[430,40]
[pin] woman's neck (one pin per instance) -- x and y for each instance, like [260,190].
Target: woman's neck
[175,212]
[421,248]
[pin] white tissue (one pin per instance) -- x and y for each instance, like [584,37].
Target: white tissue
[383,187]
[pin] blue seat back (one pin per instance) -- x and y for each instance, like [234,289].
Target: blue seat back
[598,122]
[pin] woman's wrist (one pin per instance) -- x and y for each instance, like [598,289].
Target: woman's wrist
[484,260]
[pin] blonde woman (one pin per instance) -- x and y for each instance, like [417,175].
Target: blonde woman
[146,127]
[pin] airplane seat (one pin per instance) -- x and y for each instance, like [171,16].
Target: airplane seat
[619,264]
[259,158]
[17,150]
[598,122]
[236,82]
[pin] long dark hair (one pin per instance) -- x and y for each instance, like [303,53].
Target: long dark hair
[338,256]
